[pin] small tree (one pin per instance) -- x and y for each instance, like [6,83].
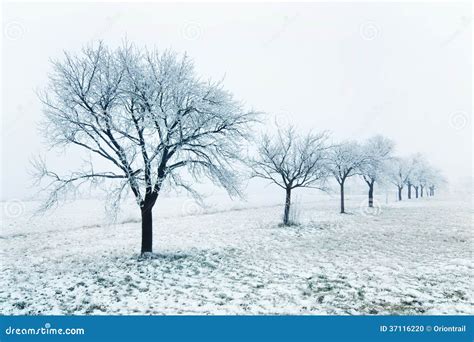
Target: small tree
[345,160]
[422,177]
[435,179]
[419,175]
[398,172]
[416,164]
[291,161]
[377,151]
[147,115]
[409,185]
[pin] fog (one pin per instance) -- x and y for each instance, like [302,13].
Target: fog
[402,70]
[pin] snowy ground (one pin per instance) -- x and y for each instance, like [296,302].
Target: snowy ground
[413,257]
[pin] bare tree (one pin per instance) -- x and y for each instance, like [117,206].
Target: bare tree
[398,172]
[410,179]
[422,176]
[377,151]
[435,179]
[345,160]
[416,163]
[292,160]
[148,116]
[409,185]
[419,175]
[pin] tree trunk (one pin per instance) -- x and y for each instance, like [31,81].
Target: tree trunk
[147,229]
[421,190]
[400,193]
[409,191]
[371,194]
[146,207]
[416,191]
[342,197]
[286,214]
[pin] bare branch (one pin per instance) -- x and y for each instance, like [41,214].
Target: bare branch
[292,161]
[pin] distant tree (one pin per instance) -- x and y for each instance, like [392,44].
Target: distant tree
[377,151]
[147,115]
[415,163]
[420,175]
[424,176]
[435,180]
[416,187]
[345,160]
[398,172]
[409,185]
[291,160]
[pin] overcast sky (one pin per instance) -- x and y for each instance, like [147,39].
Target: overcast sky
[402,70]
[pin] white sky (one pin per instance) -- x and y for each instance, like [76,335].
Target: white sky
[400,69]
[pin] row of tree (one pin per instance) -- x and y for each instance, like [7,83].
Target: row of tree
[291,160]
[148,122]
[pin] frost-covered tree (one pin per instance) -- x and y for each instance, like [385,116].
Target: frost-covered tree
[377,151]
[398,172]
[148,116]
[420,174]
[417,164]
[435,179]
[292,160]
[413,164]
[345,160]
[423,176]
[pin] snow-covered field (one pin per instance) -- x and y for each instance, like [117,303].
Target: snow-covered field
[413,257]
